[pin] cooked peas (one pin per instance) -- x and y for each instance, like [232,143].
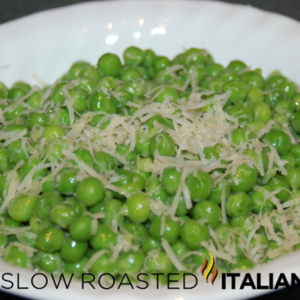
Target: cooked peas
[120,159]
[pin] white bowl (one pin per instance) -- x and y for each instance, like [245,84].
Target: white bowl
[47,43]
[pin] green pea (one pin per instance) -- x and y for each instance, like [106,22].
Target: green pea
[290,160]
[293,178]
[155,190]
[79,98]
[104,265]
[289,87]
[194,56]
[171,231]
[17,128]
[53,132]
[150,244]
[259,202]
[239,204]
[262,112]
[181,207]
[208,211]
[238,89]
[50,239]
[66,181]
[197,73]
[242,111]
[16,257]
[16,152]
[158,119]
[57,95]
[160,262]
[131,262]
[279,183]
[54,150]
[85,156]
[136,88]
[123,149]
[236,66]
[216,193]
[75,69]
[3,91]
[273,96]
[88,72]
[243,264]
[87,85]
[228,76]
[104,238]
[285,106]
[103,102]
[73,251]
[49,262]
[255,95]
[278,139]
[296,101]
[20,208]
[138,207]
[253,79]
[160,63]
[200,186]
[34,118]
[90,191]
[62,214]
[134,56]
[138,232]
[171,180]
[81,229]
[109,64]
[130,73]
[44,204]
[295,150]
[4,164]
[104,162]
[112,211]
[193,234]
[77,267]
[280,119]
[149,57]
[163,143]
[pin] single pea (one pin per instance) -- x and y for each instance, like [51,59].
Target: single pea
[215,70]
[138,207]
[123,149]
[160,63]
[197,73]
[295,150]
[49,262]
[208,211]
[290,160]
[104,265]
[134,56]
[75,69]
[295,121]
[88,72]
[278,139]
[105,238]
[285,106]
[239,204]
[66,181]
[90,191]
[87,85]
[262,112]
[81,229]
[73,251]
[293,178]
[243,112]
[289,87]
[280,119]
[54,150]
[109,64]
[149,57]
[238,88]
[228,76]
[17,92]
[253,79]
[259,202]
[13,112]
[150,244]
[85,156]
[53,132]
[21,207]
[58,95]
[243,224]
[273,96]
[136,88]
[236,66]
[171,229]
[50,239]
[112,211]
[255,95]
[194,56]
[244,179]
[4,164]
[166,92]
[200,186]
[223,186]
[160,262]
[79,98]
[130,73]
[103,102]
[155,190]
[16,152]
[296,101]
[45,203]
[62,214]
[137,232]
[3,91]
[193,234]
[76,267]
[213,84]
[17,128]
[131,262]
[181,207]
[34,118]
[104,162]
[163,143]
[17,257]
[171,179]
[279,183]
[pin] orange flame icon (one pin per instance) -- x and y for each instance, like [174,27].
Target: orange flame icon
[209,268]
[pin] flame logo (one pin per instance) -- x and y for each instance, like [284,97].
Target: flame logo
[209,268]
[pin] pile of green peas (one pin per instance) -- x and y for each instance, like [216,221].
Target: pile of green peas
[69,215]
